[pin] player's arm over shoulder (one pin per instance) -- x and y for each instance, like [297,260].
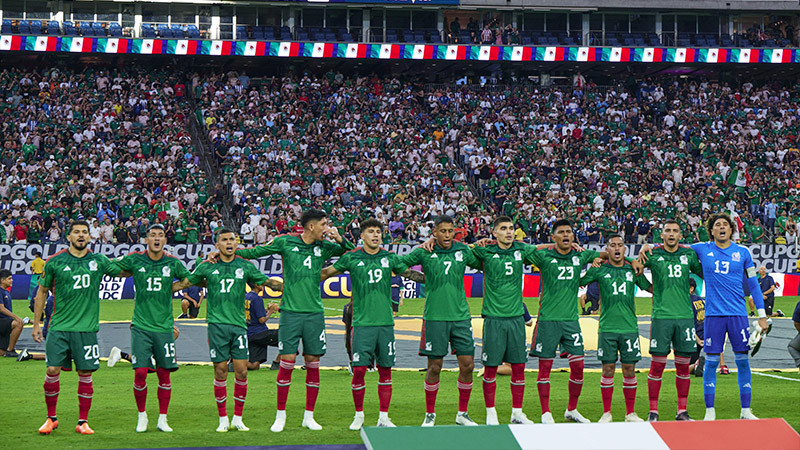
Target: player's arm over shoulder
[337,248]
[194,278]
[271,248]
[110,267]
[532,254]
[643,283]
[341,266]
[588,256]
[590,276]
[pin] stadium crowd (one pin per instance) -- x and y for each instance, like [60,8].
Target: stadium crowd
[110,146]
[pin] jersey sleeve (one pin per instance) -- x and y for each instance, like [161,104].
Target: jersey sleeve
[471,259]
[642,282]
[46,280]
[589,276]
[125,262]
[694,265]
[532,255]
[109,267]
[480,254]
[273,247]
[752,282]
[588,256]
[179,271]
[398,266]
[337,249]
[414,258]
[199,273]
[254,275]
[343,263]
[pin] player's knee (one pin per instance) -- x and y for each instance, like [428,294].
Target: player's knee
[53,371]
[608,370]
[467,367]
[241,374]
[17,324]
[221,373]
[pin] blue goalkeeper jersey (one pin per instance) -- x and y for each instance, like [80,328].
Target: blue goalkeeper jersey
[723,272]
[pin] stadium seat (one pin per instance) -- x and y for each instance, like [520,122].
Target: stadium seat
[164,31]
[114,29]
[177,31]
[24,27]
[192,32]
[36,27]
[98,29]
[53,28]
[69,29]
[435,37]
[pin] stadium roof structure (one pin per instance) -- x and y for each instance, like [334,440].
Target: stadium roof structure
[443,52]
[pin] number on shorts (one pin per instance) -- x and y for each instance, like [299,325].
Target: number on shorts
[634,346]
[169,350]
[509,268]
[577,337]
[724,269]
[744,335]
[675,271]
[81,281]
[242,341]
[92,351]
[307,261]
[225,285]
[375,276]
[566,273]
[154,285]
[447,265]
[322,336]
[391,348]
[691,334]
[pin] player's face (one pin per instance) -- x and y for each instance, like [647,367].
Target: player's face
[504,233]
[721,231]
[616,250]
[78,237]
[373,238]
[317,228]
[226,244]
[563,237]
[444,234]
[155,240]
[671,234]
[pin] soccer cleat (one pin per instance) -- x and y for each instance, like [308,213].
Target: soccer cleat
[780,313]
[430,420]
[162,424]
[547,418]
[24,356]
[280,422]
[700,367]
[462,418]
[711,414]
[573,416]
[114,356]
[653,417]
[747,414]
[632,417]
[491,417]
[605,418]
[183,316]
[83,428]
[237,424]
[141,424]
[358,421]
[224,425]
[309,422]
[724,370]
[49,426]
[11,354]
[683,416]
[276,366]
[385,423]
[519,418]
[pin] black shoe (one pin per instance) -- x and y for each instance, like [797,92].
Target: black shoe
[780,313]
[183,316]
[275,366]
[24,356]
[11,354]
[684,416]
[653,417]
[701,364]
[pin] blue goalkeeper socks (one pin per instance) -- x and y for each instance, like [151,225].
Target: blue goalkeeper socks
[710,379]
[743,377]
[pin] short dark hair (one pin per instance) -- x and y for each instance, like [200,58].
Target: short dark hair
[612,236]
[444,218]
[714,218]
[37,254]
[312,214]
[155,226]
[221,232]
[692,283]
[4,273]
[76,223]
[372,223]
[673,222]
[561,223]
[501,219]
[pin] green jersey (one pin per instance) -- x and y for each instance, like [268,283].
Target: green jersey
[302,265]
[502,278]
[75,283]
[227,284]
[444,280]
[371,281]
[671,281]
[560,281]
[152,283]
[617,296]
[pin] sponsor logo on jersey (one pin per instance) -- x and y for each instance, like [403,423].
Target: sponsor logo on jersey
[142,269]
[553,262]
[361,264]
[434,256]
[67,269]
[517,255]
[496,256]
[317,251]
[93,266]
[216,272]
[239,274]
[608,275]
[660,258]
[385,262]
[575,260]
[459,256]
[684,259]
[710,254]
[295,249]
[629,276]
[736,256]
[166,272]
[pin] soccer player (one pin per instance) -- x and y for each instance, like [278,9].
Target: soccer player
[673,319]
[371,269]
[619,331]
[446,319]
[302,314]
[226,282]
[74,275]
[560,268]
[503,324]
[152,337]
[725,264]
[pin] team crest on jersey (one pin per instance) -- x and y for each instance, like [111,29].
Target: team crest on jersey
[517,255]
[239,274]
[166,272]
[428,346]
[575,260]
[684,259]
[736,256]
[459,256]
[628,276]
[317,251]
[93,266]
[385,262]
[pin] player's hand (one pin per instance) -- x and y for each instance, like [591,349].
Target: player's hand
[37,332]
[597,262]
[333,235]
[577,247]
[645,252]
[272,308]
[765,296]
[212,257]
[638,267]
[699,341]
[428,245]
[275,285]
[196,305]
[762,322]
[483,242]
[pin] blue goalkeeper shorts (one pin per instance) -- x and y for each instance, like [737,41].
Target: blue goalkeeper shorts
[736,327]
